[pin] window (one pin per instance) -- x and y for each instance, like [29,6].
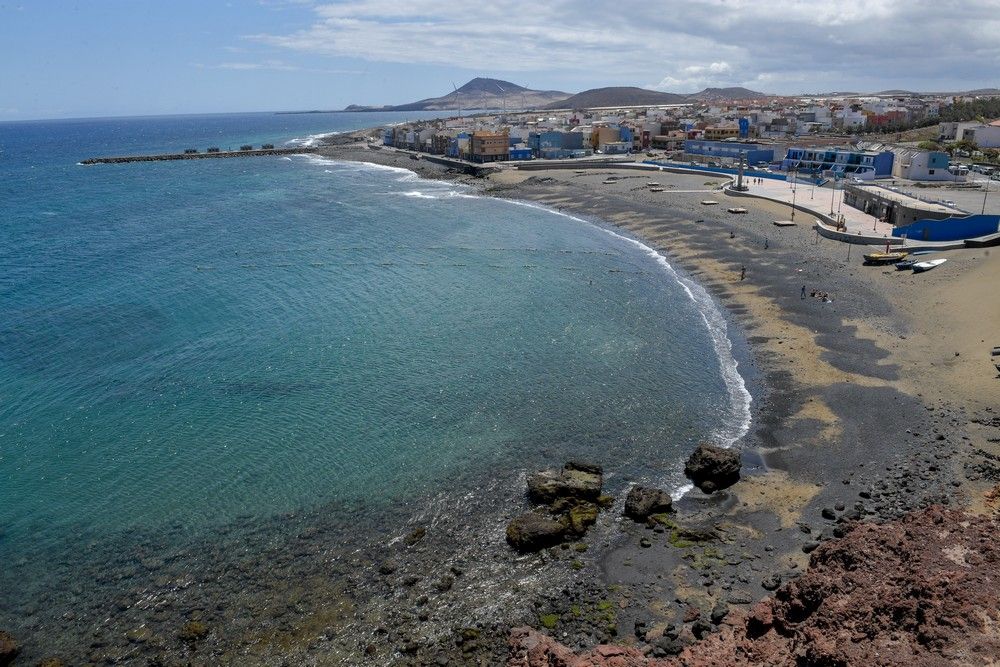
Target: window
[930,172]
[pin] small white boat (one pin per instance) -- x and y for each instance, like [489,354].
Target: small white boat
[920,267]
[784,223]
[656,189]
[736,209]
[709,202]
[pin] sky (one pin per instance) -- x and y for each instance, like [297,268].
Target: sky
[85,58]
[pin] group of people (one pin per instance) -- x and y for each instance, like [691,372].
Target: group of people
[817,294]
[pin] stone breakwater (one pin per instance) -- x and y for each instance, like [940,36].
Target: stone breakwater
[121,159]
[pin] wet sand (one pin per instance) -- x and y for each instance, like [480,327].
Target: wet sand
[880,401]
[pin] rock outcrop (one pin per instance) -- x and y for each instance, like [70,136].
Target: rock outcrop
[712,468]
[581,481]
[533,531]
[573,499]
[641,502]
[529,648]
[919,592]
[9,649]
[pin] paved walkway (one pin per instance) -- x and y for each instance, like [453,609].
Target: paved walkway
[819,199]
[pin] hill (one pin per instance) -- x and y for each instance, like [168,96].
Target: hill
[479,93]
[727,95]
[617,96]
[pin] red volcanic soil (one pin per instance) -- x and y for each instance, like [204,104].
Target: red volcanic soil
[919,592]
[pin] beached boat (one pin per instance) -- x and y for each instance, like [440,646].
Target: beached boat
[885,257]
[709,202]
[656,189]
[736,209]
[610,181]
[920,267]
[784,223]
[906,264]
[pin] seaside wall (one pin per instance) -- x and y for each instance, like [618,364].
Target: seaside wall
[750,173]
[950,229]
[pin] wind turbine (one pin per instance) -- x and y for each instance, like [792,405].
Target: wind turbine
[503,102]
[458,97]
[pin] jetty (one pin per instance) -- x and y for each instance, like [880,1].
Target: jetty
[192,154]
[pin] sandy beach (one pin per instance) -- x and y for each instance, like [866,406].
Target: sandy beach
[877,401]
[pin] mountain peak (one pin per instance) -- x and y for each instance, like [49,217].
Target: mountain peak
[495,86]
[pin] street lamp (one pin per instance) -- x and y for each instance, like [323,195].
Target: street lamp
[794,190]
[833,192]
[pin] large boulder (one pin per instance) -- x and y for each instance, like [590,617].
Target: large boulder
[533,531]
[581,481]
[9,649]
[713,468]
[642,501]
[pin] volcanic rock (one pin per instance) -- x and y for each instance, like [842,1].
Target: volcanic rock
[9,649]
[641,502]
[712,468]
[918,592]
[533,531]
[581,481]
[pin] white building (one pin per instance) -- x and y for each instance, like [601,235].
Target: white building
[918,165]
[984,136]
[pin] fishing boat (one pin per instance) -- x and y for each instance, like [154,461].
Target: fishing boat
[885,257]
[906,264]
[784,223]
[736,209]
[920,267]
[709,202]
[656,189]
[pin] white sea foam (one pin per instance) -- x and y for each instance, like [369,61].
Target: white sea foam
[310,140]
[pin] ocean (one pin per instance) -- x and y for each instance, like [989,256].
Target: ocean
[194,349]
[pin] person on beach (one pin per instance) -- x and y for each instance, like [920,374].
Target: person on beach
[743,271]
[732,235]
[765,243]
[803,292]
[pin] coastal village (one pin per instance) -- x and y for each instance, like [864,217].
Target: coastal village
[891,184]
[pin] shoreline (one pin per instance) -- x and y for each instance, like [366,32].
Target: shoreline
[845,417]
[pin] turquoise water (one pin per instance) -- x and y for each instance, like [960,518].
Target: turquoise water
[187,343]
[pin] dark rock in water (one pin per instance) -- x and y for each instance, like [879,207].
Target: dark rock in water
[581,517]
[9,649]
[193,631]
[415,536]
[575,480]
[641,502]
[533,531]
[580,466]
[712,468]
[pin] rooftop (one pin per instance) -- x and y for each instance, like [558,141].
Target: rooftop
[907,200]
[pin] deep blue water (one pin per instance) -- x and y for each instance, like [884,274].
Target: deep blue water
[187,342]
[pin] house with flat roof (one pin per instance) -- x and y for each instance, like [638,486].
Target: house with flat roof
[918,165]
[840,161]
[895,207]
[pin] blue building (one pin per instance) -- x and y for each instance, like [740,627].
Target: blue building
[840,161]
[524,153]
[626,134]
[753,152]
[541,142]
[387,137]
[744,128]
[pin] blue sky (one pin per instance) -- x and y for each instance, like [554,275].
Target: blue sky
[61,58]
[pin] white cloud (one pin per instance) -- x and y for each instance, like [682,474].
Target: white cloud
[684,47]
[274,66]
